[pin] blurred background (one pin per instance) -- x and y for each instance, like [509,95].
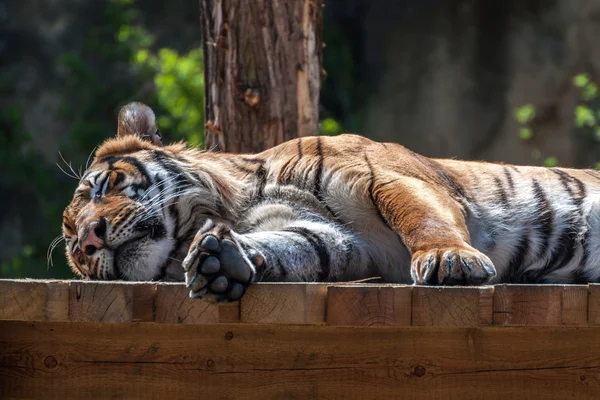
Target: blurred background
[507,80]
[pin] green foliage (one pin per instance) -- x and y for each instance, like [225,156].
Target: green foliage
[178,80]
[586,117]
[525,114]
[89,103]
[550,162]
[329,127]
[525,133]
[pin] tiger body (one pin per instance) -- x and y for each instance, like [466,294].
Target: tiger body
[325,209]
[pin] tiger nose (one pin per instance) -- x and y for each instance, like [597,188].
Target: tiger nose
[94,240]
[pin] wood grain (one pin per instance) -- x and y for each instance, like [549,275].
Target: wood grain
[100,302]
[143,307]
[29,300]
[174,306]
[540,305]
[457,306]
[58,360]
[369,305]
[594,304]
[284,303]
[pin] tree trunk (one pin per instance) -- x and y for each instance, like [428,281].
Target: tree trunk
[262,72]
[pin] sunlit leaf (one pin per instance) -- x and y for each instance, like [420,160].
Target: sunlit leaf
[584,116]
[551,162]
[141,56]
[525,113]
[329,126]
[581,80]
[525,133]
[590,91]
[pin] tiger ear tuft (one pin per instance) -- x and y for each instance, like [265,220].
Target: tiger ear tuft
[139,120]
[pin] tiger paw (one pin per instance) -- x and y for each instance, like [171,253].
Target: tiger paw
[451,265]
[216,268]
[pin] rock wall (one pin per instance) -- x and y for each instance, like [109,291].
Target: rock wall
[451,73]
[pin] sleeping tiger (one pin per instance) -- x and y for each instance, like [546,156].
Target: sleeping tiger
[323,209]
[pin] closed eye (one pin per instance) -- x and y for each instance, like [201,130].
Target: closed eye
[133,192]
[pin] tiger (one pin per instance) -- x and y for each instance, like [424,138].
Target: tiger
[323,209]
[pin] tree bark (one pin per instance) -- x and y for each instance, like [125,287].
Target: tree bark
[262,72]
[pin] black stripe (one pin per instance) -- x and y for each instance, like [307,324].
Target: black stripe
[120,178]
[283,178]
[168,164]
[568,239]
[372,195]
[101,185]
[318,192]
[175,215]
[501,192]
[443,177]
[509,179]
[319,170]
[579,277]
[111,160]
[544,219]
[254,160]
[241,168]
[566,179]
[125,211]
[287,171]
[593,173]
[512,274]
[261,176]
[318,245]
[564,248]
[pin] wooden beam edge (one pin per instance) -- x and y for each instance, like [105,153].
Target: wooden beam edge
[346,303]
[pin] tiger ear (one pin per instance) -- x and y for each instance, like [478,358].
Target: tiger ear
[139,120]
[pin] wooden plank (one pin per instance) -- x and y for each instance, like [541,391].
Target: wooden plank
[229,312]
[540,305]
[144,297]
[291,303]
[89,360]
[452,306]
[100,301]
[594,304]
[369,305]
[34,300]
[575,305]
[174,306]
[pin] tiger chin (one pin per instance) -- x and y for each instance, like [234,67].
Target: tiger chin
[323,209]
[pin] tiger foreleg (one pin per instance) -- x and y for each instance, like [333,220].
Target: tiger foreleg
[222,263]
[433,228]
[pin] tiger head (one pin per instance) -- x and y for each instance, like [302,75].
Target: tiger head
[139,204]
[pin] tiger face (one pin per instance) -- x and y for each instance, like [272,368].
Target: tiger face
[116,226]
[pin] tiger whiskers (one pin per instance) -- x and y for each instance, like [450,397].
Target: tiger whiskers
[87,163]
[73,173]
[55,242]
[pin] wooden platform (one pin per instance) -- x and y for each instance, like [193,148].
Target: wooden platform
[80,340]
